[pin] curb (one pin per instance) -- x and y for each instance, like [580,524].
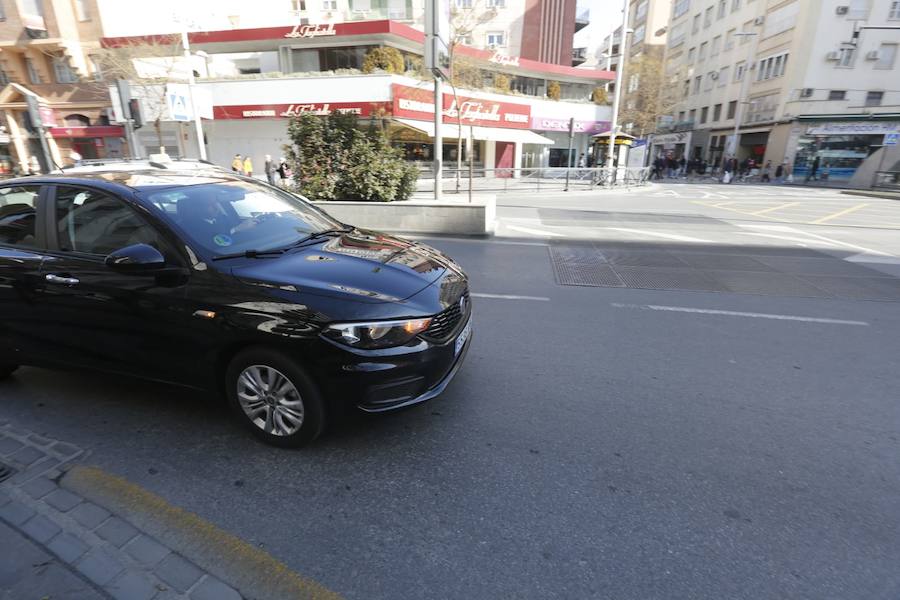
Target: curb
[120,559]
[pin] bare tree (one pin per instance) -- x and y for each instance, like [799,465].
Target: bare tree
[649,92]
[148,64]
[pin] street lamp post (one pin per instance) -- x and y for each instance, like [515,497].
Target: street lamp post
[617,94]
[197,124]
[742,94]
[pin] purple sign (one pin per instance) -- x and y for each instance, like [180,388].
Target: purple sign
[554,124]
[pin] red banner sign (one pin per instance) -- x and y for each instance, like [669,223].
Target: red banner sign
[284,111]
[418,103]
[90,131]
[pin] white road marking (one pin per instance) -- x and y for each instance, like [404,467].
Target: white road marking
[795,231]
[666,236]
[732,313]
[510,297]
[800,242]
[531,231]
[878,260]
[669,193]
[713,195]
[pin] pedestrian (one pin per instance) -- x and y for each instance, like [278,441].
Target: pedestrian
[779,174]
[75,157]
[34,165]
[248,166]
[813,170]
[788,172]
[237,164]
[581,161]
[284,172]
[269,168]
[681,165]
[767,169]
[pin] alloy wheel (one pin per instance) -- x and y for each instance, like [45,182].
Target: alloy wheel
[270,400]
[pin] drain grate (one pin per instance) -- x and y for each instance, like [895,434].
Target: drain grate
[669,279]
[636,258]
[768,284]
[595,275]
[724,262]
[6,472]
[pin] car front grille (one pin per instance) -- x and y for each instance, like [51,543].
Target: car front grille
[445,323]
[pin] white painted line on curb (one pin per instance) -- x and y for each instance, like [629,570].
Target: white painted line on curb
[732,313]
[510,297]
[531,231]
[665,236]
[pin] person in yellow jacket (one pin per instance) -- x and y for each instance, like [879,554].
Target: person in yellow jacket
[237,165]
[248,167]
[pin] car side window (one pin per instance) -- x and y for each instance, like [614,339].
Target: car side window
[93,222]
[18,217]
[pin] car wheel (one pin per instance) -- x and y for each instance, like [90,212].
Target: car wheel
[274,397]
[6,370]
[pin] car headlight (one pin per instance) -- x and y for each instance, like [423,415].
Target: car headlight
[378,334]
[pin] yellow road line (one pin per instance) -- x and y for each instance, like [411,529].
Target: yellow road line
[255,572]
[774,208]
[840,213]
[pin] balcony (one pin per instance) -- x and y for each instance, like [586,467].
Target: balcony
[579,55]
[582,19]
[379,14]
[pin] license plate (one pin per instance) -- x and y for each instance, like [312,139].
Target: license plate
[461,340]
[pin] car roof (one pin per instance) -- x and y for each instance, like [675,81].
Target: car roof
[136,179]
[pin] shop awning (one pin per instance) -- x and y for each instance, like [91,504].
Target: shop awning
[496,134]
[88,131]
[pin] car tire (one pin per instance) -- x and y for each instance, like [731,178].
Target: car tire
[6,370]
[274,397]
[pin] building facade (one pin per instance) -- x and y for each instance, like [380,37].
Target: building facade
[808,79]
[45,55]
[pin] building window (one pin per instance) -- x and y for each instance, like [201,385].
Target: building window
[704,115]
[723,77]
[33,75]
[32,8]
[329,4]
[707,17]
[298,5]
[681,7]
[846,58]
[496,3]
[698,80]
[686,91]
[714,49]
[63,71]
[874,98]
[837,95]
[887,54]
[729,39]
[639,33]
[496,39]
[691,55]
[81,10]
[692,115]
[771,67]
[710,77]
[732,109]
[641,9]
[721,13]
[735,5]
[859,9]
[701,55]
[696,26]
[894,11]
[677,33]
[717,112]
[464,3]
[4,78]
[2,12]
[739,70]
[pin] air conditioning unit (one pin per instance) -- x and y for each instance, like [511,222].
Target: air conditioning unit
[873,55]
[807,92]
[833,55]
[714,75]
[841,10]
[759,20]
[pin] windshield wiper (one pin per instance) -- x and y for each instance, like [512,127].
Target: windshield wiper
[318,234]
[251,254]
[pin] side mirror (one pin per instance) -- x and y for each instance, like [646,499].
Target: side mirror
[139,258]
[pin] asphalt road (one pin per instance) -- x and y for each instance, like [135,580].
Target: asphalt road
[600,442]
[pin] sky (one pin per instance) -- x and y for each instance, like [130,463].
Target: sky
[606,15]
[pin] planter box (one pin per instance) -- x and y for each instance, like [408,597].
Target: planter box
[418,216]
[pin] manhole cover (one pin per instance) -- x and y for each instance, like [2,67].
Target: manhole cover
[6,472]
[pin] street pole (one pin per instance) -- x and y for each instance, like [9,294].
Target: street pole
[438,138]
[745,85]
[617,96]
[571,140]
[197,124]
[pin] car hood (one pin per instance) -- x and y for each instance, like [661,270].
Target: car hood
[365,265]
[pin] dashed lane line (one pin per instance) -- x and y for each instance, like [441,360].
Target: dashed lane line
[509,297]
[733,313]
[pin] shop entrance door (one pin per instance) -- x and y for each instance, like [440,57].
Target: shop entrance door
[505,158]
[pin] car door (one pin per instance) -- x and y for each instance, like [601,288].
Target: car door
[22,249]
[97,316]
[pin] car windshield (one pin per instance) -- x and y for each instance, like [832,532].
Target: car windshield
[228,217]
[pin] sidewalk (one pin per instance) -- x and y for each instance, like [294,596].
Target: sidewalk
[58,545]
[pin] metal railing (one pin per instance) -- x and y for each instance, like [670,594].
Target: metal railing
[535,179]
[887,180]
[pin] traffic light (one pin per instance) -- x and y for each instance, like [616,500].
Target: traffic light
[134,109]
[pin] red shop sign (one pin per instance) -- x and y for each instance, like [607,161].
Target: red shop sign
[418,103]
[284,111]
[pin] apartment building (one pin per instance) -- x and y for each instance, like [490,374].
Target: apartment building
[45,53]
[801,81]
[642,64]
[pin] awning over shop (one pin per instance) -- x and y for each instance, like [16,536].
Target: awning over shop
[89,131]
[496,134]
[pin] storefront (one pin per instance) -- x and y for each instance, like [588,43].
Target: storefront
[99,141]
[840,148]
[670,145]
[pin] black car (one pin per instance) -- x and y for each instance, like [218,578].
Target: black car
[216,281]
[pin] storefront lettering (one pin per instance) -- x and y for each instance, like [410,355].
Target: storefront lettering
[472,110]
[418,103]
[407,104]
[311,31]
[294,110]
[503,59]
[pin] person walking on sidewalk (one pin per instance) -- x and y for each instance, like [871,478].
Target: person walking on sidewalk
[248,166]
[779,174]
[766,172]
[814,170]
[269,169]
[237,164]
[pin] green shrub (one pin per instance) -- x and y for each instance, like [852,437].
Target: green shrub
[599,96]
[384,58]
[332,159]
[553,90]
[501,82]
